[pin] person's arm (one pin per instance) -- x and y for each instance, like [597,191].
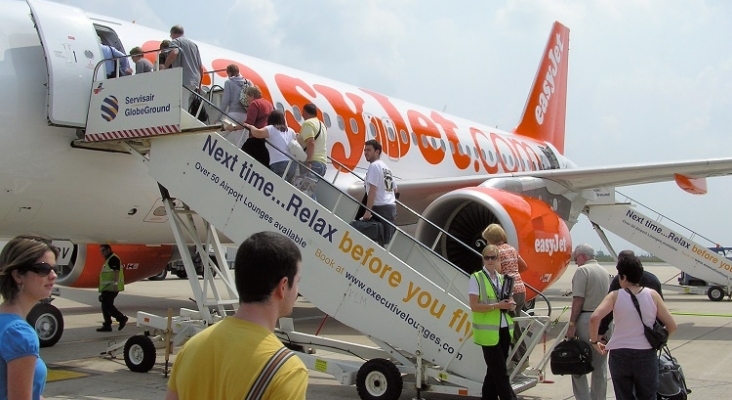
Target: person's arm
[369,202]
[664,314]
[309,150]
[228,96]
[20,372]
[172,55]
[171,395]
[261,133]
[600,312]
[577,303]
[522,264]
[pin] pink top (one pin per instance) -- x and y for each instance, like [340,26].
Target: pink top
[509,265]
[628,331]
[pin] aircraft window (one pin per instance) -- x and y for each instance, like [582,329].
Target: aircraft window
[434,143]
[503,157]
[403,134]
[296,113]
[452,148]
[414,138]
[467,150]
[482,153]
[442,145]
[354,126]
[490,157]
[460,150]
[475,152]
[424,141]
[392,135]
[326,119]
[280,107]
[523,164]
[341,123]
[372,129]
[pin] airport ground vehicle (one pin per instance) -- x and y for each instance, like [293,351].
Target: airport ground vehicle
[714,291]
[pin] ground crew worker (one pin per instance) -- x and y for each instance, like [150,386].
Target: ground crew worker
[111,282]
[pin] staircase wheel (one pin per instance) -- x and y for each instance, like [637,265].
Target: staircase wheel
[715,293]
[379,379]
[139,353]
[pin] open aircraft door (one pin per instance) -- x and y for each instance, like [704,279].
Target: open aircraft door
[72,51]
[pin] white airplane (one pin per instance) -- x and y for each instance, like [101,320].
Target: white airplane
[460,174]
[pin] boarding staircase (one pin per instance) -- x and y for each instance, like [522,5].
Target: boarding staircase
[664,238]
[408,299]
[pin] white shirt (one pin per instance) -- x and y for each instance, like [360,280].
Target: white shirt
[277,143]
[473,288]
[379,175]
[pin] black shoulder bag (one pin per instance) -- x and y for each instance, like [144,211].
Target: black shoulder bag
[656,336]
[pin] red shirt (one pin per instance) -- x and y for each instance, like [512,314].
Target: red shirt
[258,113]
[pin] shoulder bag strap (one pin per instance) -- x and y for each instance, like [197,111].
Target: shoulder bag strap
[320,127]
[274,364]
[637,306]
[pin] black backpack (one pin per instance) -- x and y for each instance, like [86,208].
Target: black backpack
[671,381]
[193,108]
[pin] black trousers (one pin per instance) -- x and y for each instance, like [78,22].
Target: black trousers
[108,309]
[496,384]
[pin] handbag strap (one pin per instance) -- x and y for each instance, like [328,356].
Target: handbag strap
[267,373]
[637,306]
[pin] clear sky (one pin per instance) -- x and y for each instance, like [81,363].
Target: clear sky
[649,80]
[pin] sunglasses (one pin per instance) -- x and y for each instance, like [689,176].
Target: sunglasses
[42,269]
[490,258]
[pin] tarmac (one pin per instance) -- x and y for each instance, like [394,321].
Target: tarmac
[79,370]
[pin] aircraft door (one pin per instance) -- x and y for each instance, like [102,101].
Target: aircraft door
[71,47]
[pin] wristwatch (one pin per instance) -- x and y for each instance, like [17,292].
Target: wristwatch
[571,323]
[594,341]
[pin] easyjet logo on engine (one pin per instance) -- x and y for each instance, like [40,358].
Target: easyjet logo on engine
[550,245]
[555,57]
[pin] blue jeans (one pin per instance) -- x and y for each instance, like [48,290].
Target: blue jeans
[634,373]
[279,169]
[318,167]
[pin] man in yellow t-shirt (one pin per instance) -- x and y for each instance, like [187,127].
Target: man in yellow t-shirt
[313,137]
[225,360]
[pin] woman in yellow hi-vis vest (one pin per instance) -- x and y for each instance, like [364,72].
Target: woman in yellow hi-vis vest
[111,282]
[492,325]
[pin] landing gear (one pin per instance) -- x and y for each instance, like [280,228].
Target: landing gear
[48,322]
[379,379]
[161,276]
[140,353]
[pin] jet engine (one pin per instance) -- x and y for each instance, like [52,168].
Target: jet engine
[81,263]
[540,235]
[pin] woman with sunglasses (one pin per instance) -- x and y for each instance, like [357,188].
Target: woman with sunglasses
[510,263]
[492,325]
[27,275]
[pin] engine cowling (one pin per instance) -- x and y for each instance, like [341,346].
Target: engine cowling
[540,235]
[81,263]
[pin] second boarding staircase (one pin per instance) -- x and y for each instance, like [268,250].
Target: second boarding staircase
[404,296]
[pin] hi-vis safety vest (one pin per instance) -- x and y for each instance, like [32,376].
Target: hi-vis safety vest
[106,277]
[487,324]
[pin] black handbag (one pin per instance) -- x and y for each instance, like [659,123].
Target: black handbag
[671,381]
[571,357]
[658,335]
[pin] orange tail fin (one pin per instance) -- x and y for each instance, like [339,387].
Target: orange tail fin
[545,112]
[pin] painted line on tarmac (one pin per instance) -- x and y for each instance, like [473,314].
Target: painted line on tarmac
[55,375]
[701,314]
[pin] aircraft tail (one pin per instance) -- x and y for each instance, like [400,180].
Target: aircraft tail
[545,112]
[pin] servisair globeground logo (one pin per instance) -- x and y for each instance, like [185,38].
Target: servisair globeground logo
[110,107]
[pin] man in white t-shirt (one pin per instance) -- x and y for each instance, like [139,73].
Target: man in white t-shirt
[380,189]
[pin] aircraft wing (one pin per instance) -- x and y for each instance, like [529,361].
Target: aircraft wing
[578,179]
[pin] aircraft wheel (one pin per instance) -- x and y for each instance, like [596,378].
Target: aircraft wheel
[379,379]
[140,353]
[161,276]
[715,293]
[181,274]
[48,322]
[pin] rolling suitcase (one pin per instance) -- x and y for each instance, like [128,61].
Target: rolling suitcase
[374,230]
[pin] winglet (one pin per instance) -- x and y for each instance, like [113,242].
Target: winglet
[545,111]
